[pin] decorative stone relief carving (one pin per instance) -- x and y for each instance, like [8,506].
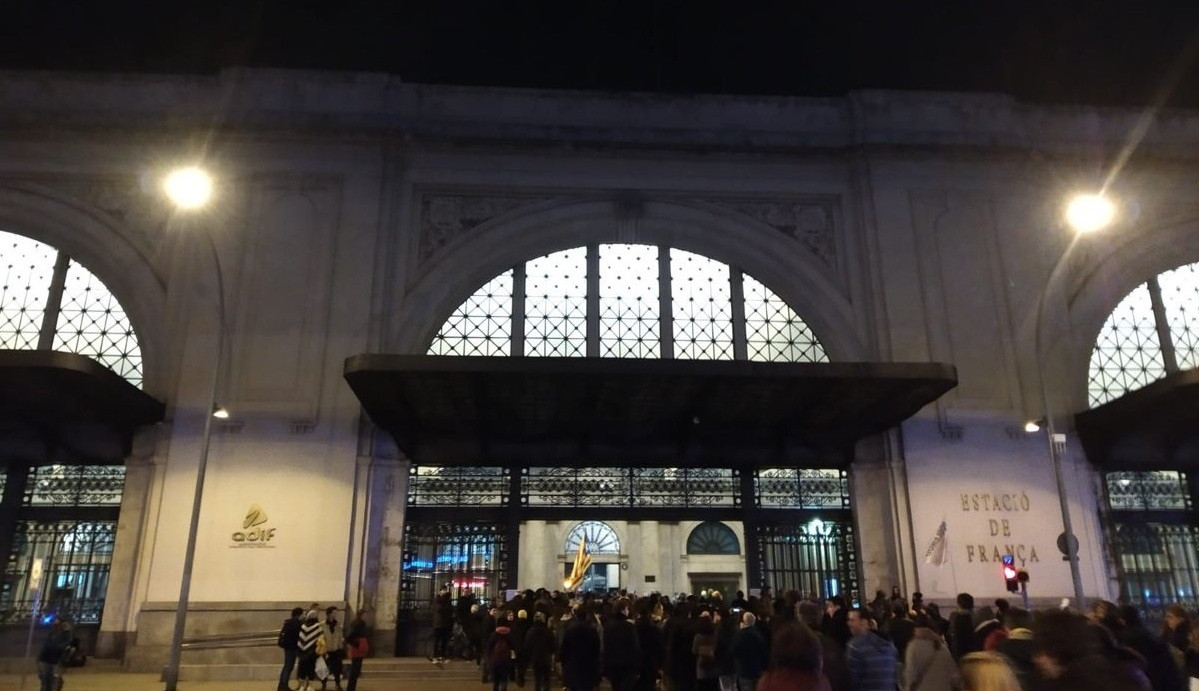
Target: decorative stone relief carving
[809,223]
[444,217]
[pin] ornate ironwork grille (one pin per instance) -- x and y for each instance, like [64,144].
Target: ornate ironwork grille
[448,486]
[817,558]
[75,557]
[1154,533]
[1158,564]
[471,557]
[801,488]
[630,487]
[66,521]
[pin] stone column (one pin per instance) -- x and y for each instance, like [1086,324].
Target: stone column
[387,492]
[874,514]
[118,625]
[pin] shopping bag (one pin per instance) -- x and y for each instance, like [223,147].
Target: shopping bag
[322,669]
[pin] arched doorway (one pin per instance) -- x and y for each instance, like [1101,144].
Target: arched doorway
[602,544]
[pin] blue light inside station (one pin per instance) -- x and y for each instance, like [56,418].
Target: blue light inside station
[444,560]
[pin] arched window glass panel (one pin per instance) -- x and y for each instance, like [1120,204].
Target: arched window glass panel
[556,304]
[601,539]
[1127,354]
[628,301]
[713,537]
[701,307]
[1180,296]
[558,317]
[91,322]
[480,326]
[26,270]
[773,331]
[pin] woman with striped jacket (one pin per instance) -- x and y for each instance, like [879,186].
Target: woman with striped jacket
[311,645]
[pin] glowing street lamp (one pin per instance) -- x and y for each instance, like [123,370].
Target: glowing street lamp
[1084,213]
[190,189]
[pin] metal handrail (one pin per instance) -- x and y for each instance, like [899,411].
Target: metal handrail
[232,640]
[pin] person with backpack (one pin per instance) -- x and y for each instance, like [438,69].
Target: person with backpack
[289,636]
[500,653]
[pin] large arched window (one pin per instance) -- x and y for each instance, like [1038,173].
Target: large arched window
[627,301]
[1130,353]
[601,539]
[48,301]
[713,537]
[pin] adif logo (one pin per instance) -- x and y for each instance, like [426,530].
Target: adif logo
[253,533]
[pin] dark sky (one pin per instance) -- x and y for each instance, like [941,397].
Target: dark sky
[1058,51]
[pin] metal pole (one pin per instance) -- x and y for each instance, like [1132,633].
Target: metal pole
[1050,433]
[171,677]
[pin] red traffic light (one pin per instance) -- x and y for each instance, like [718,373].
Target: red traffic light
[1009,573]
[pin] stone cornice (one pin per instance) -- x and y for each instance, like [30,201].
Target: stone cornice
[368,105]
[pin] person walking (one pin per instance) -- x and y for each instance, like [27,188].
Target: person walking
[750,653]
[500,656]
[443,625]
[795,661]
[357,648]
[289,637]
[928,664]
[580,653]
[703,646]
[54,649]
[988,671]
[622,651]
[870,658]
[539,648]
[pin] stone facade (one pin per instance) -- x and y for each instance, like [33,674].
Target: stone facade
[353,212]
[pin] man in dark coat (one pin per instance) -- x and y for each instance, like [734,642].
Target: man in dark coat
[1159,663]
[289,637]
[580,653]
[443,624]
[539,647]
[961,627]
[750,652]
[622,651]
[653,651]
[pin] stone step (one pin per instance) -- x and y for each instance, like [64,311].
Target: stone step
[372,668]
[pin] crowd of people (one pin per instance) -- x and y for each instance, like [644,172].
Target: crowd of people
[316,645]
[792,643]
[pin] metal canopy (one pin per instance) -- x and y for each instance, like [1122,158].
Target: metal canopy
[69,407]
[578,411]
[1152,428]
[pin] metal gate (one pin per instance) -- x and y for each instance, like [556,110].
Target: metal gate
[1158,565]
[468,557]
[817,559]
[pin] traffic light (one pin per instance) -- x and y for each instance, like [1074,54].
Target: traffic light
[1010,576]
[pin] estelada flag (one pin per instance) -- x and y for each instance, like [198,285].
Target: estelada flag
[935,554]
[582,563]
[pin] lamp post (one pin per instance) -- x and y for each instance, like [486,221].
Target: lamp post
[190,189]
[1084,214]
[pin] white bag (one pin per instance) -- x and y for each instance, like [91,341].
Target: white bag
[322,669]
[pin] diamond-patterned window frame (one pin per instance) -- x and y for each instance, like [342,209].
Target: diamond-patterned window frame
[640,301]
[1151,333]
[41,285]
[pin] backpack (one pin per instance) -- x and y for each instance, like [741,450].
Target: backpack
[501,654]
[283,634]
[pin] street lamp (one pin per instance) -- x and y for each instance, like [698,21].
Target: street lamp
[1085,213]
[190,189]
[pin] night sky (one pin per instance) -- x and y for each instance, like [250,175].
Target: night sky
[1131,52]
